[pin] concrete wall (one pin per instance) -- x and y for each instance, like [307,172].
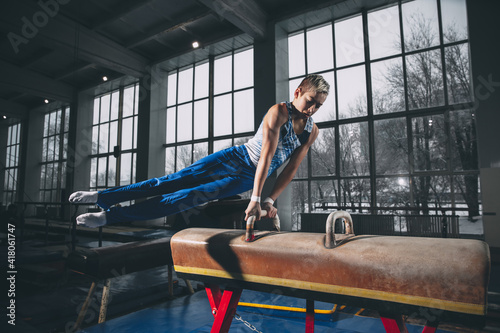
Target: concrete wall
[485,52]
[156,130]
[284,202]
[83,116]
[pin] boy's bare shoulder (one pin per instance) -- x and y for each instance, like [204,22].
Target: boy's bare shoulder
[276,116]
[280,110]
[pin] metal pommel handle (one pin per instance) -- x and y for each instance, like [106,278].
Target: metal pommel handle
[330,241]
[249,235]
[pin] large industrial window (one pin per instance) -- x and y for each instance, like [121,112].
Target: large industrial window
[12,164]
[187,116]
[397,131]
[201,119]
[54,155]
[114,135]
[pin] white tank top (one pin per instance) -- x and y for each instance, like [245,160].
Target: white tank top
[287,143]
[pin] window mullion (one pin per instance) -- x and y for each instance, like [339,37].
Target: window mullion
[369,99]
[61,152]
[192,113]
[409,131]
[211,70]
[441,48]
[119,137]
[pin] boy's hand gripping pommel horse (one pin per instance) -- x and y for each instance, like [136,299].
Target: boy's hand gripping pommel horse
[249,235]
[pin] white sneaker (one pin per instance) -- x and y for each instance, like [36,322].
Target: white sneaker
[83,197]
[92,220]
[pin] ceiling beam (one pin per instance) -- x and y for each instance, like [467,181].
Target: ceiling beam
[120,11]
[20,79]
[36,57]
[73,70]
[12,109]
[207,45]
[247,15]
[64,35]
[167,27]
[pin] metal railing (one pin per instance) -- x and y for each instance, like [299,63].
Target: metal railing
[54,211]
[445,226]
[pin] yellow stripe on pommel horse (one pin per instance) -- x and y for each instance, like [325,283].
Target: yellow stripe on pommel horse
[441,279]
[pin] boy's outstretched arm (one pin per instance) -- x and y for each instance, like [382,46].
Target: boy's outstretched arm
[274,119]
[286,176]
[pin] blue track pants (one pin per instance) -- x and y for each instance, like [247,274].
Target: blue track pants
[222,174]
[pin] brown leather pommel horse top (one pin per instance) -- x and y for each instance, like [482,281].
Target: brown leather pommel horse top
[386,273]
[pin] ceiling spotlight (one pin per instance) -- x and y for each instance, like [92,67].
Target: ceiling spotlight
[105,78]
[46,101]
[4,117]
[196,45]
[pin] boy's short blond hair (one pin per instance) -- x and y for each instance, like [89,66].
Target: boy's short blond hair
[316,83]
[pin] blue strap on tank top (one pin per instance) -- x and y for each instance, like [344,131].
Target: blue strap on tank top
[287,143]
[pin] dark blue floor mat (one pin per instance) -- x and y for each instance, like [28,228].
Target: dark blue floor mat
[192,314]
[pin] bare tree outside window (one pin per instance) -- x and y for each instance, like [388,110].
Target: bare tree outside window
[430,135]
[54,154]
[415,142]
[12,164]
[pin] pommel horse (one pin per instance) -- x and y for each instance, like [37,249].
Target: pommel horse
[431,278]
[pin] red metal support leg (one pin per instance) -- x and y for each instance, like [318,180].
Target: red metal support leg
[309,316]
[214,296]
[223,307]
[395,324]
[430,328]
